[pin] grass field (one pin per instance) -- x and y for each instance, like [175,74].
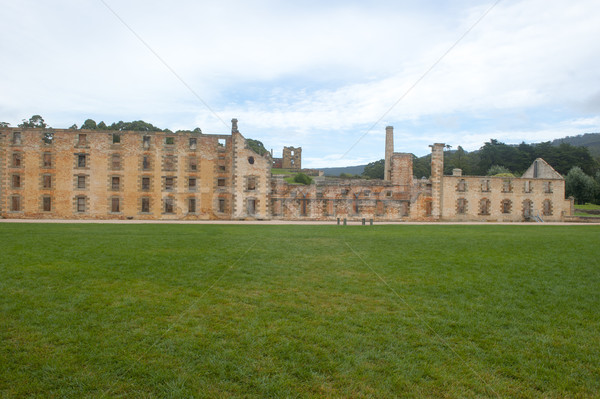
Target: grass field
[299,311]
[588,207]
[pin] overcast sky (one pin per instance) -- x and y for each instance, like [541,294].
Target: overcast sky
[315,74]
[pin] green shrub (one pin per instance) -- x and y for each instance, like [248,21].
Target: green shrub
[496,170]
[302,179]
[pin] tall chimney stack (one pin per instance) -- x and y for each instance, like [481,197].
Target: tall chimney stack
[389,150]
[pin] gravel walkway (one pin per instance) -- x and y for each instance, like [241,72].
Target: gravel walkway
[286,222]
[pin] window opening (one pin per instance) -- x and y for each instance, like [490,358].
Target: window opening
[16,181]
[169,205]
[145,205]
[81,161]
[47,158]
[15,204]
[47,181]
[47,204]
[80,204]
[115,205]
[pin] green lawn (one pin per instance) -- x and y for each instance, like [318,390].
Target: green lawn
[585,214]
[160,311]
[588,207]
[275,171]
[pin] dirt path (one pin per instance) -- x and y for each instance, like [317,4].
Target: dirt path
[286,222]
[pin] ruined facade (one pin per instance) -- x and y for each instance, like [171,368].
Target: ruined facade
[291,159]
[537,195]
[98,174]
[95,174]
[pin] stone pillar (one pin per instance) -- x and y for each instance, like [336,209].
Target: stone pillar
[389,150]
[437,173]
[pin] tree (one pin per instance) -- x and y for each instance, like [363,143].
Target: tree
[580,186]
[375,170]
[73,126]
[89,124]
[255,145]
[102,126]
[36,121]
[4,124]
[458,159]
[139,126]
[422,166]
[48,137]
[597,179]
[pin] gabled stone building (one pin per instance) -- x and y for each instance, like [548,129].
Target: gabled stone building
[97,174]
[537,195]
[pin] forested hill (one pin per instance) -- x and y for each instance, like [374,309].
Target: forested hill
[562,154]
[351,170]
[589,140]
[499,157]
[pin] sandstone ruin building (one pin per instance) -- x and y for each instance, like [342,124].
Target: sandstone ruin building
[291,159]
[98,174]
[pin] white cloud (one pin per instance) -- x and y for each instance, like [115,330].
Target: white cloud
[310,74]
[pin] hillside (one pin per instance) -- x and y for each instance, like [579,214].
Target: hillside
[352,170]
[589,140]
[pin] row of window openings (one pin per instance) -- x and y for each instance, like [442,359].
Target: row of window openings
[505,205]
[169,205]
[115,205]
[48,138]
[169,182]
[506,186]
[17,160]
[329,206]
[170,162]
[82,161]
[15,204]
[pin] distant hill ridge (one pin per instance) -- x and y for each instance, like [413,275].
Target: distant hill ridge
[589,140]
[352,170]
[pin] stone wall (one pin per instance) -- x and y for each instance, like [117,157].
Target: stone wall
[91,174]
[401,169]
[95,174]
[292,158]
[252,179]
[351,199]
[502,199]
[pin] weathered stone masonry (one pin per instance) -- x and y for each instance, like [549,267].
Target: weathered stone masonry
[80,174]
[90,174]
